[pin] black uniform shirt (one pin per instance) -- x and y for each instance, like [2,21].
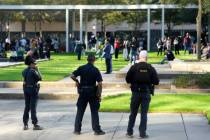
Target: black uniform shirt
[89,75]
[142,74]
[31,76]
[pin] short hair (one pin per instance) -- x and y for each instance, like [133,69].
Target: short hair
[91,58]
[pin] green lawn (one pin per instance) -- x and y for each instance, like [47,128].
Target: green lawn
[62,65]
[59,67]
[185,103]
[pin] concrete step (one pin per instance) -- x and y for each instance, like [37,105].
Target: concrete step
[163,74]
[120,83]
[12,93]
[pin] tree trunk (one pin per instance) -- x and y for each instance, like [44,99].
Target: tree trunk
[169,28]
[209,27]
[35,28]
[23,27]
[199,29]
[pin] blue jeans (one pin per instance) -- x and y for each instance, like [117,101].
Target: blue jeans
[133,56]
[164,59]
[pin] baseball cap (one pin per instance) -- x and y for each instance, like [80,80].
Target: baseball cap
[29,60]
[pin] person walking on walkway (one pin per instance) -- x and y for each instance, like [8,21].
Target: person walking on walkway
[108,56]
[31,88]
[134,47]
[187,43]
[142,77]
[88,93]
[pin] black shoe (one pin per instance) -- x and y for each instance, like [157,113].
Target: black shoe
[100,132]
[77,132]
[37,127]
[144,136]
[25,127]
[129,135]
[107,73]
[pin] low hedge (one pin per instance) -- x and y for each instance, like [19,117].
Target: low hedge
[208,116]
[193,81]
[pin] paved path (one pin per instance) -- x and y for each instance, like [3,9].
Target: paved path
[58,118]
[8,64]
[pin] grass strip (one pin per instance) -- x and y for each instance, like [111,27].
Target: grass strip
[173,103]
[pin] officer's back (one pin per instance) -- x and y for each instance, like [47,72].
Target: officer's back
[88,93]
[88,73]
[142,76]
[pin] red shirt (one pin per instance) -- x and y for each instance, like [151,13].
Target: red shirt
[116,44]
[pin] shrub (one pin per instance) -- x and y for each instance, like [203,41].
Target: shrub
[193,81]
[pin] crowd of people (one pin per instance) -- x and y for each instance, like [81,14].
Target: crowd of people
[177,43]
[186,43]
[41,48]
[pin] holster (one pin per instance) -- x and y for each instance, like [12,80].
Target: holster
[90,90]
[143,88]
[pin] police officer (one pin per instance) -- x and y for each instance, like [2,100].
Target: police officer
[142,76]
[31,87]
[88,93]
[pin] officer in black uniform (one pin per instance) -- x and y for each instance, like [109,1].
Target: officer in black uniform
[142,76]
[88,93]
[31,87]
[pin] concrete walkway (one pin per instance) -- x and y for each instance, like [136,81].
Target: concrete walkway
[8,64]
[58,119]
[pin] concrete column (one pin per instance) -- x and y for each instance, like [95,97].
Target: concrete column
[67,30]
[163,23]
[148,29]
[86,29]
[73,23]
[81,24]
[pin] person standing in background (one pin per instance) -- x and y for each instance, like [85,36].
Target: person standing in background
[116,47]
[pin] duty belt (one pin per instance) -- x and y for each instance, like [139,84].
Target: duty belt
[31,85]
[88,87]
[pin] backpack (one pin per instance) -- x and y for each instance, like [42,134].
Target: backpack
[112,50]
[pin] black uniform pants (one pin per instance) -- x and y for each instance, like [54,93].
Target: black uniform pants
[31,98]
[142,100]
[82,102]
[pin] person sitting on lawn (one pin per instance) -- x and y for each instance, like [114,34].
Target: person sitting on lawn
[169,56]
[13,56]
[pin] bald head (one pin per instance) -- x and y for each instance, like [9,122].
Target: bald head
[143,56]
